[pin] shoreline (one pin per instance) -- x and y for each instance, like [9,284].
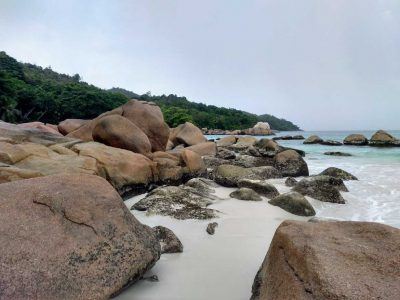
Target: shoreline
[220,266]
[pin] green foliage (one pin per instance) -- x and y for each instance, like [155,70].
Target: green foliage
[175,116]
[210,116]
[32,93]
[278,124]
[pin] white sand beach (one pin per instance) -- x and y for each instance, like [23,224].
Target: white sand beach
[220,266]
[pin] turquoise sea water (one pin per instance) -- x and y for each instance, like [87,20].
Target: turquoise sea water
[375,196]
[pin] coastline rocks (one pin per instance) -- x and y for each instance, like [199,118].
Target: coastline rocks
[288,137]
[267,145]
[330,260]
[227,141]
[383,139]
[331,143]
[321,187]
[119,132]
[193,162]
[145,115]
[204,149]
[261,128]
[14,134]
[40,126]
[70,236]
[187,134]
[294,203]
[338,173]
[169,242]
[149,118]
[70,125]
[180,202]
[246,141]
[124,169]
[261,187]
[337,153]
[290,182]
[211,228]
[226,154]
[229,175]
[290,163]
[245,194]
[355,140]
[313,139]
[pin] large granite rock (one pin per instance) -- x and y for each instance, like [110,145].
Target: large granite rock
[193,162]
[261,128]
[15,134]
[260,186]
[227,141]
[204,149]
[322,187]
[40,126]
[229,175]
[69,237]
[145,115]
[125,170]
[119,132]
[268,145]
[180,202]
[294,203]
[290,163]
[149,118]
[330,260]
[356,140]
[383,139]
[70,125]
[245,194]
[187,134]
[338,173]
[313,139]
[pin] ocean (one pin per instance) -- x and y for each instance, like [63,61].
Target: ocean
[375,196]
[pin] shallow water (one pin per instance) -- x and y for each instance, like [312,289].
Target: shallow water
[376,195]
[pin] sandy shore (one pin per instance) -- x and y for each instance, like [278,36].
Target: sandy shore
[221,266]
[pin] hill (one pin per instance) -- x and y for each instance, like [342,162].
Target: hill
[32,93]
[178,110]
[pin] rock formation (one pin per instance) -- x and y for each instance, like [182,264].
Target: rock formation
[330,260]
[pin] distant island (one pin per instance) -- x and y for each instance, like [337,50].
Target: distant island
[32,93]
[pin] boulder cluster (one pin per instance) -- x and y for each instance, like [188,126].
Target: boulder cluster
[379,139]
[127,146]
[61,188]
[261,128]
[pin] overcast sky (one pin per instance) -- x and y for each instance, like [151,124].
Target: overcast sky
[323,64]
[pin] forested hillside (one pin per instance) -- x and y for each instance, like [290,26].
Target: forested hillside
[32,93]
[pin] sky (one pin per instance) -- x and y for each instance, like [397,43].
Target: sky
[322,64]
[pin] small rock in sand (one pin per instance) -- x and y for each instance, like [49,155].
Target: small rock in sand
[290,182]
[211,228]
[169,242]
